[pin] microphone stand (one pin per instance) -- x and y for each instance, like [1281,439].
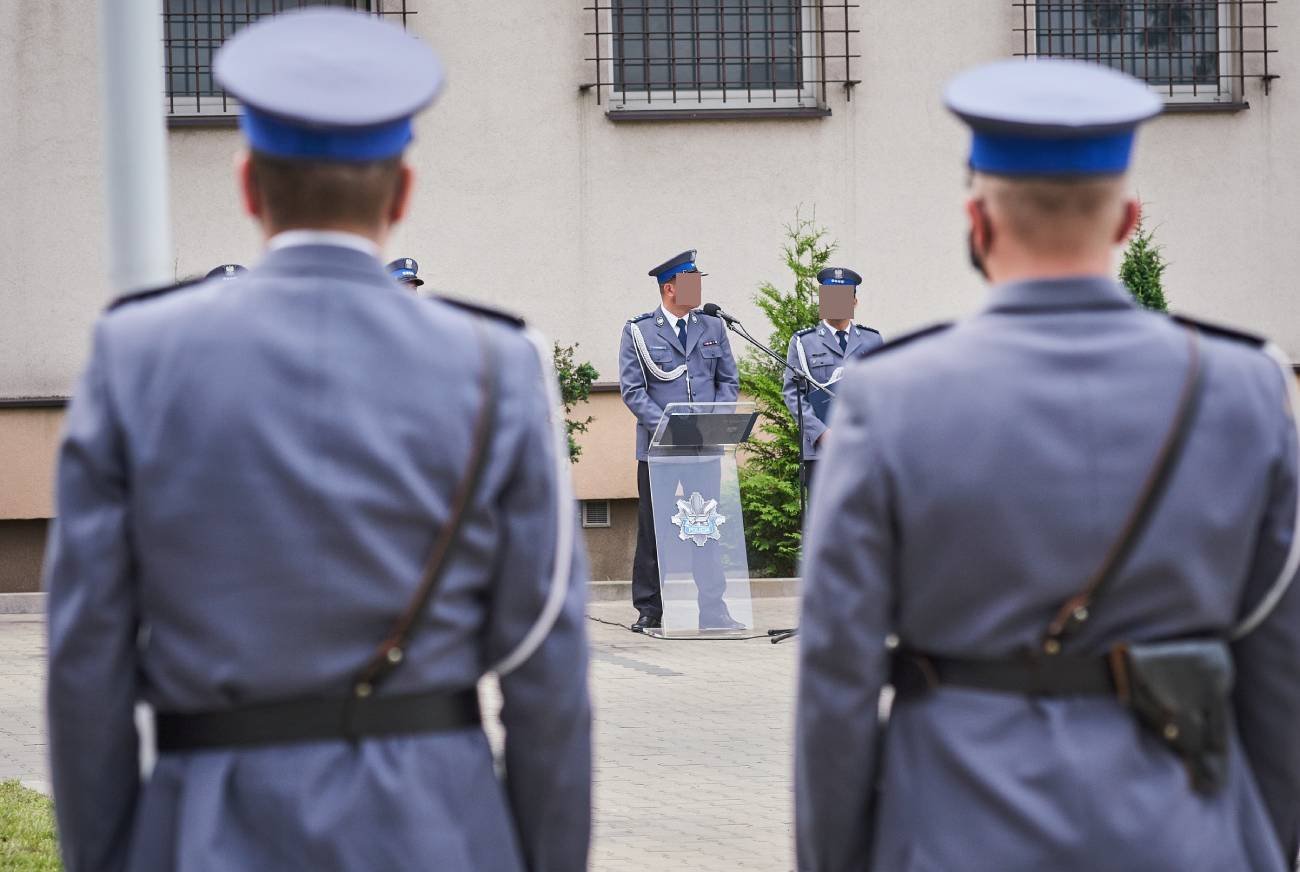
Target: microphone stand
[801,385]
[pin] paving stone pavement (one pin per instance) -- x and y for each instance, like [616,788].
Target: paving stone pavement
[693,742]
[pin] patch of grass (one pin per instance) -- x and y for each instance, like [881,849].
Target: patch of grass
[27,841]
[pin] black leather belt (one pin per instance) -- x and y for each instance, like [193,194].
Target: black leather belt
[1037,675]
[317,719]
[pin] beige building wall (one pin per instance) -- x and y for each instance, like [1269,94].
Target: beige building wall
[532,199]
[28,441]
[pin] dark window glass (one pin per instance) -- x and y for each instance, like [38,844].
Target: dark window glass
[707,45]
[194,29]
[1168,43]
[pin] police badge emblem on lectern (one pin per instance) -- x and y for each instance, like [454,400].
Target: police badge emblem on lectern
[698,519]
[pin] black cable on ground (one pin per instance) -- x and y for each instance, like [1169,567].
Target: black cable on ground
[775,637]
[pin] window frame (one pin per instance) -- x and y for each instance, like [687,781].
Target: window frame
[609,515]
[223,110]
[688,100]
[1231,76]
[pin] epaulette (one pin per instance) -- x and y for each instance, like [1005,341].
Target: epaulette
[872,329]
[805,331]
[641,317]
[486,311]
[907,339]
[141,296]
[1221,331]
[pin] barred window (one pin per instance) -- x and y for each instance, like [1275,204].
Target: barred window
[194,29]
[713,55]
[1190,51]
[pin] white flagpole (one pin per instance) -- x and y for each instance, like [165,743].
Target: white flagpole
[135,145]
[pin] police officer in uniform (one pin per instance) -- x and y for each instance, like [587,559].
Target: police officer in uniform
[675,354]
[227,271]
[407,272]
[1057,528]
[821,353]
[268,532]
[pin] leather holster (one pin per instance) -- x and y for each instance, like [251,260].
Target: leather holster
[1180,692]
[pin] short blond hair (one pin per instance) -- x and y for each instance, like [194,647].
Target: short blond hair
[1054,216]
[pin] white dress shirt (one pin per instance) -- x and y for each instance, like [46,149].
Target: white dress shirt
[340,238]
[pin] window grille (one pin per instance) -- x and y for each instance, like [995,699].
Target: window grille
[194,29]
[719,57]
[595,513]
[1190,51]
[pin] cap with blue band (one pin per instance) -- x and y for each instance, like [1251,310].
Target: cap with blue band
[1050,118]
[269,135]
[838,275]
[227,271]
[328,84]
[684,262]
[405,269]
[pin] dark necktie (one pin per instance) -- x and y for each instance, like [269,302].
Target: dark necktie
[843,337]
[681,332]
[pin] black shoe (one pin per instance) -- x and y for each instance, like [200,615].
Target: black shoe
[720,621]
[645,622]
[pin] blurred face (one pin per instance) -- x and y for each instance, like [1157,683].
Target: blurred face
[411,286]
[836,302]
[685,290]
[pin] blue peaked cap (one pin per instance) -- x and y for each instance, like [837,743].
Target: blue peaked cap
[1045,118]
[838,275]
[684,262]
[328,84]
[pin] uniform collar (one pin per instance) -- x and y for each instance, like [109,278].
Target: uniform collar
[324,259]
[831,330]
[340,238]
[1048,295]
[673,319]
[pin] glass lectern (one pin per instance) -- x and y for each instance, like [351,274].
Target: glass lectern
[699,529]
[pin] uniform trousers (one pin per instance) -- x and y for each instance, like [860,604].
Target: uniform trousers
[809,466]
[705,562]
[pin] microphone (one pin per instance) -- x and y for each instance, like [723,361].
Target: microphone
[716,310]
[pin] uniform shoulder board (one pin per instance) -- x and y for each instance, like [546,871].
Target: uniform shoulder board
[641,317]
[499,315]
[805,331]
[150,293]
[908,339]
[871,329]
[1221,331]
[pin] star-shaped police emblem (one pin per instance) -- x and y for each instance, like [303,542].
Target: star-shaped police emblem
[698,519]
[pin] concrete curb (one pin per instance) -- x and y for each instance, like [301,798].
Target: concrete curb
[22,603]
[597,592]
[621,591]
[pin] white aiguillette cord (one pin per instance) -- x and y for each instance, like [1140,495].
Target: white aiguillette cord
[562,566]
[638,341]
[807,373]
[1287,575]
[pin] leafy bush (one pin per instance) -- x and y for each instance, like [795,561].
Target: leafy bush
[1143,270]
[575,388]
[769,474]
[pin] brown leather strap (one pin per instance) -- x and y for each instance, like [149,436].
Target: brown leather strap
[1075,611]
[392,650]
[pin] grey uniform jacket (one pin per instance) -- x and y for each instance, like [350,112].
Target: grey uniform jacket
[251,477]
[822,352]
[981,473]
[710,377]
